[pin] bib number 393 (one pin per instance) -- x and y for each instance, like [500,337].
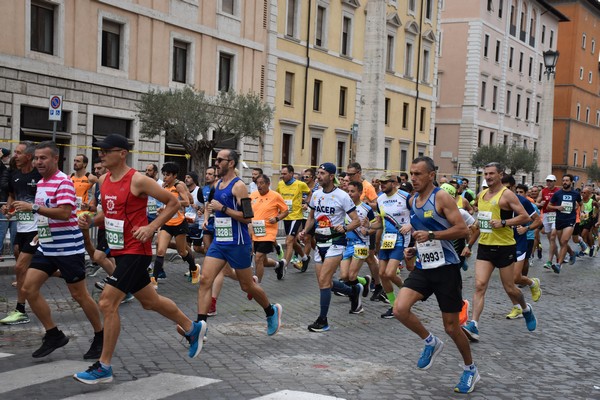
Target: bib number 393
[114,233]
[223,229]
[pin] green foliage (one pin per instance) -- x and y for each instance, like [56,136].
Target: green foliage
[593,172]
[516,159]
[487,154]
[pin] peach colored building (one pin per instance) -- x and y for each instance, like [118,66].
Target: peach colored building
[577,88]
[490,77]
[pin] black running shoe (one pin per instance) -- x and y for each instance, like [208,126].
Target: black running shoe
[320,325]
[365,291]
[383,298]
[279,270]
[376,293]
[389,314]
[50,343]
[356,298]
[95,350]
[305,264]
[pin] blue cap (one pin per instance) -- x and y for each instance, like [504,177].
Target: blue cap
[329,167]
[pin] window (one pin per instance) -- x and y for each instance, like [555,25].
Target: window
[483,89]
[518,111]
[492,142]
[523,26]
[500,6]
[508,93]
[408,59]
[584,161]
[497,56]
[346,36]
[386,117]
[530,69]
[479,137]
[527,105]
[428,9]
[521,62]
[590,77]
[111,44]
[551,44]
[225,72]
[286,149]
[343,95]
[341,153]
[227,6]
[422,116]
[426,63]
[581,73]
[490,7]
[403,159]
[320,27]
[587,115]
[292,11]
[540,70]
[42,27]
[543,33]
[574,158]
[505,140]
[532,24]
[537,112]
[386,156]
[389,54]
[494,97]
[513,18]
[583,41]
[511,54]
[578,112]
[288,97]
[315,151]
[486,43]
[405,110]
[180,51]
[412,5]
[317,96]
[593,46]
[597,117]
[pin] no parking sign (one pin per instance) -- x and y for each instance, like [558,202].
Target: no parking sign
[55,109]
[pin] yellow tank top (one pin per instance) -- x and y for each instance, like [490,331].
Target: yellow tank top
[488,210]
[178,217]
[459,202]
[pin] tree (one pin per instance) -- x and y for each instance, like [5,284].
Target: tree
[516,158]
[593,172]
[186,117]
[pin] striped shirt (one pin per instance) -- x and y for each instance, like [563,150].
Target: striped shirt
[66,235]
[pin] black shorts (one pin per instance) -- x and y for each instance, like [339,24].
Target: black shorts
[72,268]
[101,243]
[586,226]
[181,229]
[445,282]
[131,273]
[372,240]
[195,235]
[529,248]
[560,225]
[263,247]
[23,242]
[499,256]
[292,227]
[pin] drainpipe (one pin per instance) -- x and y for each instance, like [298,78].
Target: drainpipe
[307,67]
[420,39]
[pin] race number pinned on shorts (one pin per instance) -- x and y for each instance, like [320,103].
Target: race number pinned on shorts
[431,254]
[44,234]
[485,221]
[388,242]
[361,251]
[567,207]
[551,217]
[78,202]
[151,206]
[223,229]
[259,227]
[114,233]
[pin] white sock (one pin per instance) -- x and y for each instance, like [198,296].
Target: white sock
[527,309]
[471,367]
[430,340]
[518,305]
[304,258]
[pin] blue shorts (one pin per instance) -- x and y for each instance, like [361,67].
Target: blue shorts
[72,268]
[349,252]
[239,256]
[397,253]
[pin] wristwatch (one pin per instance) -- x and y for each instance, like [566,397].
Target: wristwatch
[431,235]
[35,208]
[503,222]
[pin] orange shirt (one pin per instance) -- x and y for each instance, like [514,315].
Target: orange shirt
[266,207]
[178,217]
[369,194]
[82,187]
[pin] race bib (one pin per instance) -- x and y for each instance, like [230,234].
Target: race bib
[551,217]
[567,207]
[323,231]
[388,241]
[485,221]
[114,233]
[78,202]
[305,213]
[151,206]
[361,251]
[24,216]
[259,227]
[44,234]
[223,229]
[288,203]
[431,254]
[190,217]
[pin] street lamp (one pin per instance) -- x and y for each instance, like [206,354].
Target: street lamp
[550,59]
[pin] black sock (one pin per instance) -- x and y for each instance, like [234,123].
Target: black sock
[353,283]
[269,310]
[99,334]
[190,260]
[158,265]
[53,332]
[201,317]
[20,307]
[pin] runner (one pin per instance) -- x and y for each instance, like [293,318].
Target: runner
[83,181]
[310,244]
[588,216]
[548,216]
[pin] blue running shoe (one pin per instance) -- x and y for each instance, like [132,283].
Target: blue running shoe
[274,321]
[95,374]
[320,325]
[196,338]
[467,381]
[572,259]
[556,268]
[471,331]
[530,318]
[429,354]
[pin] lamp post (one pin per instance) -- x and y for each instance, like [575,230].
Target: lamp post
[547,113]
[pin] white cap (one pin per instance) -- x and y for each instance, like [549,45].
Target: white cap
[551,178]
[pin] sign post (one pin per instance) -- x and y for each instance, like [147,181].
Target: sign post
[55,113]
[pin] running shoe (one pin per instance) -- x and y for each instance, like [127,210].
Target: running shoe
[161,276]
[548,265]
[530,319]
[279,269]
[429,354]
[467,381]
[586,249]
[50,343]
[471,331]
[464,265]
[356,298]
[389,314]
[280,253]
[536,290]
[196,275]
[212,311]
[367,285]
[337,293]
[95,350]
[376,292]
[274,321]
[539,251]
[383,298]
[198,331]
[255,279]
[305,264]
[128,297]
[15,317]
[95,374]
[516,312]
[93,269]
[359,310]
[320,325]
[572,259]
[556,268]
[101,284]
[592,251]
[153,282]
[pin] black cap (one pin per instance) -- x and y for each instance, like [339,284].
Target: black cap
[113,140]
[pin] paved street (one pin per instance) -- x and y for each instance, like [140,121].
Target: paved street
[362,357]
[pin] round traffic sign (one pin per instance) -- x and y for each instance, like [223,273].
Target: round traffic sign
[55,102]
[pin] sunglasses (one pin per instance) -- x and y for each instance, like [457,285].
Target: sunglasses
[220,160]
[107,151]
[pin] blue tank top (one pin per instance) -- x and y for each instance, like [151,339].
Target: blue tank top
[239,231]
[427,218]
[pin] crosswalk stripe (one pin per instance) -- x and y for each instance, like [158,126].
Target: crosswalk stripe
[2,355]
[296,395]
[23,377]
[150,388]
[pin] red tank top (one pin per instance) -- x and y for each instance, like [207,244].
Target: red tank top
[119,203]
[547,195]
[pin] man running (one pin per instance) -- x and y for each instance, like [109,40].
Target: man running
[124,196]
[548,216]
[83,181]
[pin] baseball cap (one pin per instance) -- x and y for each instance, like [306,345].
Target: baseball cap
[451,190]
[5,152]
[329,167]
[113,140]
[387,177]
[551,178]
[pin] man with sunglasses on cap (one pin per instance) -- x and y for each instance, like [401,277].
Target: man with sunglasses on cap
[124,193]
[549,217]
